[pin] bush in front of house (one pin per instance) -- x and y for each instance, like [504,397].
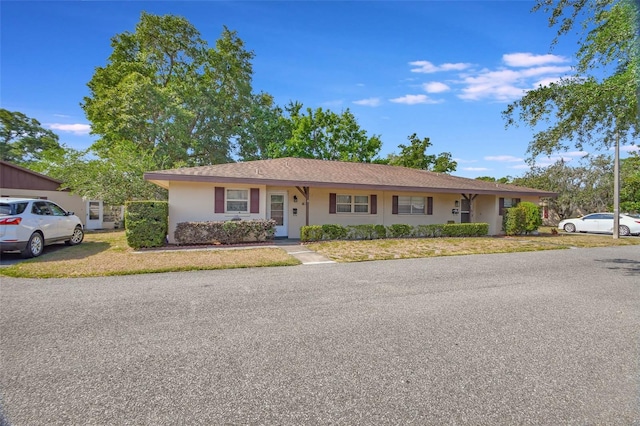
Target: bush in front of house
[146,223]
[524,218]
[227,232]
[370,232]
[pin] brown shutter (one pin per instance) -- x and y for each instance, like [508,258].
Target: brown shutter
[516,201]
[219,200]
[429,205]
[394,204]
[374,204]
[332,203]
[501,207]
[255,201]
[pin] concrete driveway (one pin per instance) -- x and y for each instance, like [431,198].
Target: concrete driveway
[526,338]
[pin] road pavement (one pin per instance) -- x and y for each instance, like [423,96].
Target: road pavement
[542,338]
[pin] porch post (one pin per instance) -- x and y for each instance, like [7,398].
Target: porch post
[305,192]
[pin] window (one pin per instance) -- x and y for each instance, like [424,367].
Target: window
[412,205]
[352,203]
[506,203]
[237,200]
[56,210]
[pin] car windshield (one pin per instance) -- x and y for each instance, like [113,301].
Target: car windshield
[634,215]
[12,208]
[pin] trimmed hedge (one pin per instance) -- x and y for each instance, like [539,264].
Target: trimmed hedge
[525,218]
[146,223]
[229,232]
[370,232]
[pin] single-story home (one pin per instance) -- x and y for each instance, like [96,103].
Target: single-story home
[17,181]
[300,191]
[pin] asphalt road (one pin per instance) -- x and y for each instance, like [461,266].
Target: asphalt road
[542,338]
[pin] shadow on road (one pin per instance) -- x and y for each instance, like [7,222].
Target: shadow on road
[627,266]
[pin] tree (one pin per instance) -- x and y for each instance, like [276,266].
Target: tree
[171,95]
[265,130]
[630,184]
[600,102]
[415,156]
[114,179]
[23,140]
[505,179]
[325,135]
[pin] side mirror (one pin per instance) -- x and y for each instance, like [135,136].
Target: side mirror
[70,213]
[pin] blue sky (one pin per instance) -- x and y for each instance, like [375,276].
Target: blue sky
[441,69]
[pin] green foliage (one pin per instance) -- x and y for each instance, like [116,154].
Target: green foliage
[334,232]
[366,232]
[400,230]
[227,232]
[146,223]
[311,233]
[115,180]
[23,140]
[370,232]
[168,92]
[415,156]
[630,184]
[325,135]
[465,229]
[600,102]
[524,218]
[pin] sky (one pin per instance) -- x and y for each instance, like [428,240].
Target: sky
[441,69]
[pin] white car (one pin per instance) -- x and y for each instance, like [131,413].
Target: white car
[602,223]
[27,225]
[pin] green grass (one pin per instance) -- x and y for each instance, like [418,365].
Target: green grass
[107,253]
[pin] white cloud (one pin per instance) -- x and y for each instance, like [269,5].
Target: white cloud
[530,60]
[503,158]
[522,166]
[505,85]
[426,67]
[435,87]
[475,169]
[462,161]
[630,148]
[78,129]
[414,99]
[372,102]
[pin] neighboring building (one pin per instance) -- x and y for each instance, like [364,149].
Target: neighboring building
[16,181]
[297,192]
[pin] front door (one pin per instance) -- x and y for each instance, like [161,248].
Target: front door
[277,210]
[465,211]
[94,215]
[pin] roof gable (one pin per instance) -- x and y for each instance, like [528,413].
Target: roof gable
[336,174]
[17,177]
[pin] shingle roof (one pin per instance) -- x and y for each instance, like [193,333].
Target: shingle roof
[335,174]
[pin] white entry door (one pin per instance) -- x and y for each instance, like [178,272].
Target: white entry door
[277,210]
[94,215]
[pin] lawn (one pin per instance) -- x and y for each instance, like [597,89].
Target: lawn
[107,253]
[356,251]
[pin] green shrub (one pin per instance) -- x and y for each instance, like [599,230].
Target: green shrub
[380,231]
[146,223]
[334,232]
[311,233]
[525,218]
[427,231]
[229,232]
[399,230]
[364,232]
[465,229]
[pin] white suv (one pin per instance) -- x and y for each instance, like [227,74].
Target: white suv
[27,225]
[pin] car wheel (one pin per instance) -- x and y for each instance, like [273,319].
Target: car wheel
[624,230]
[76,237]
[570,227]
[35,246]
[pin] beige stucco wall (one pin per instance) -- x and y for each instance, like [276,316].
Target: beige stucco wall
[66,200]
[196,202]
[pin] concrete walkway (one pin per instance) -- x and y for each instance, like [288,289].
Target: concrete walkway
[301,252]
